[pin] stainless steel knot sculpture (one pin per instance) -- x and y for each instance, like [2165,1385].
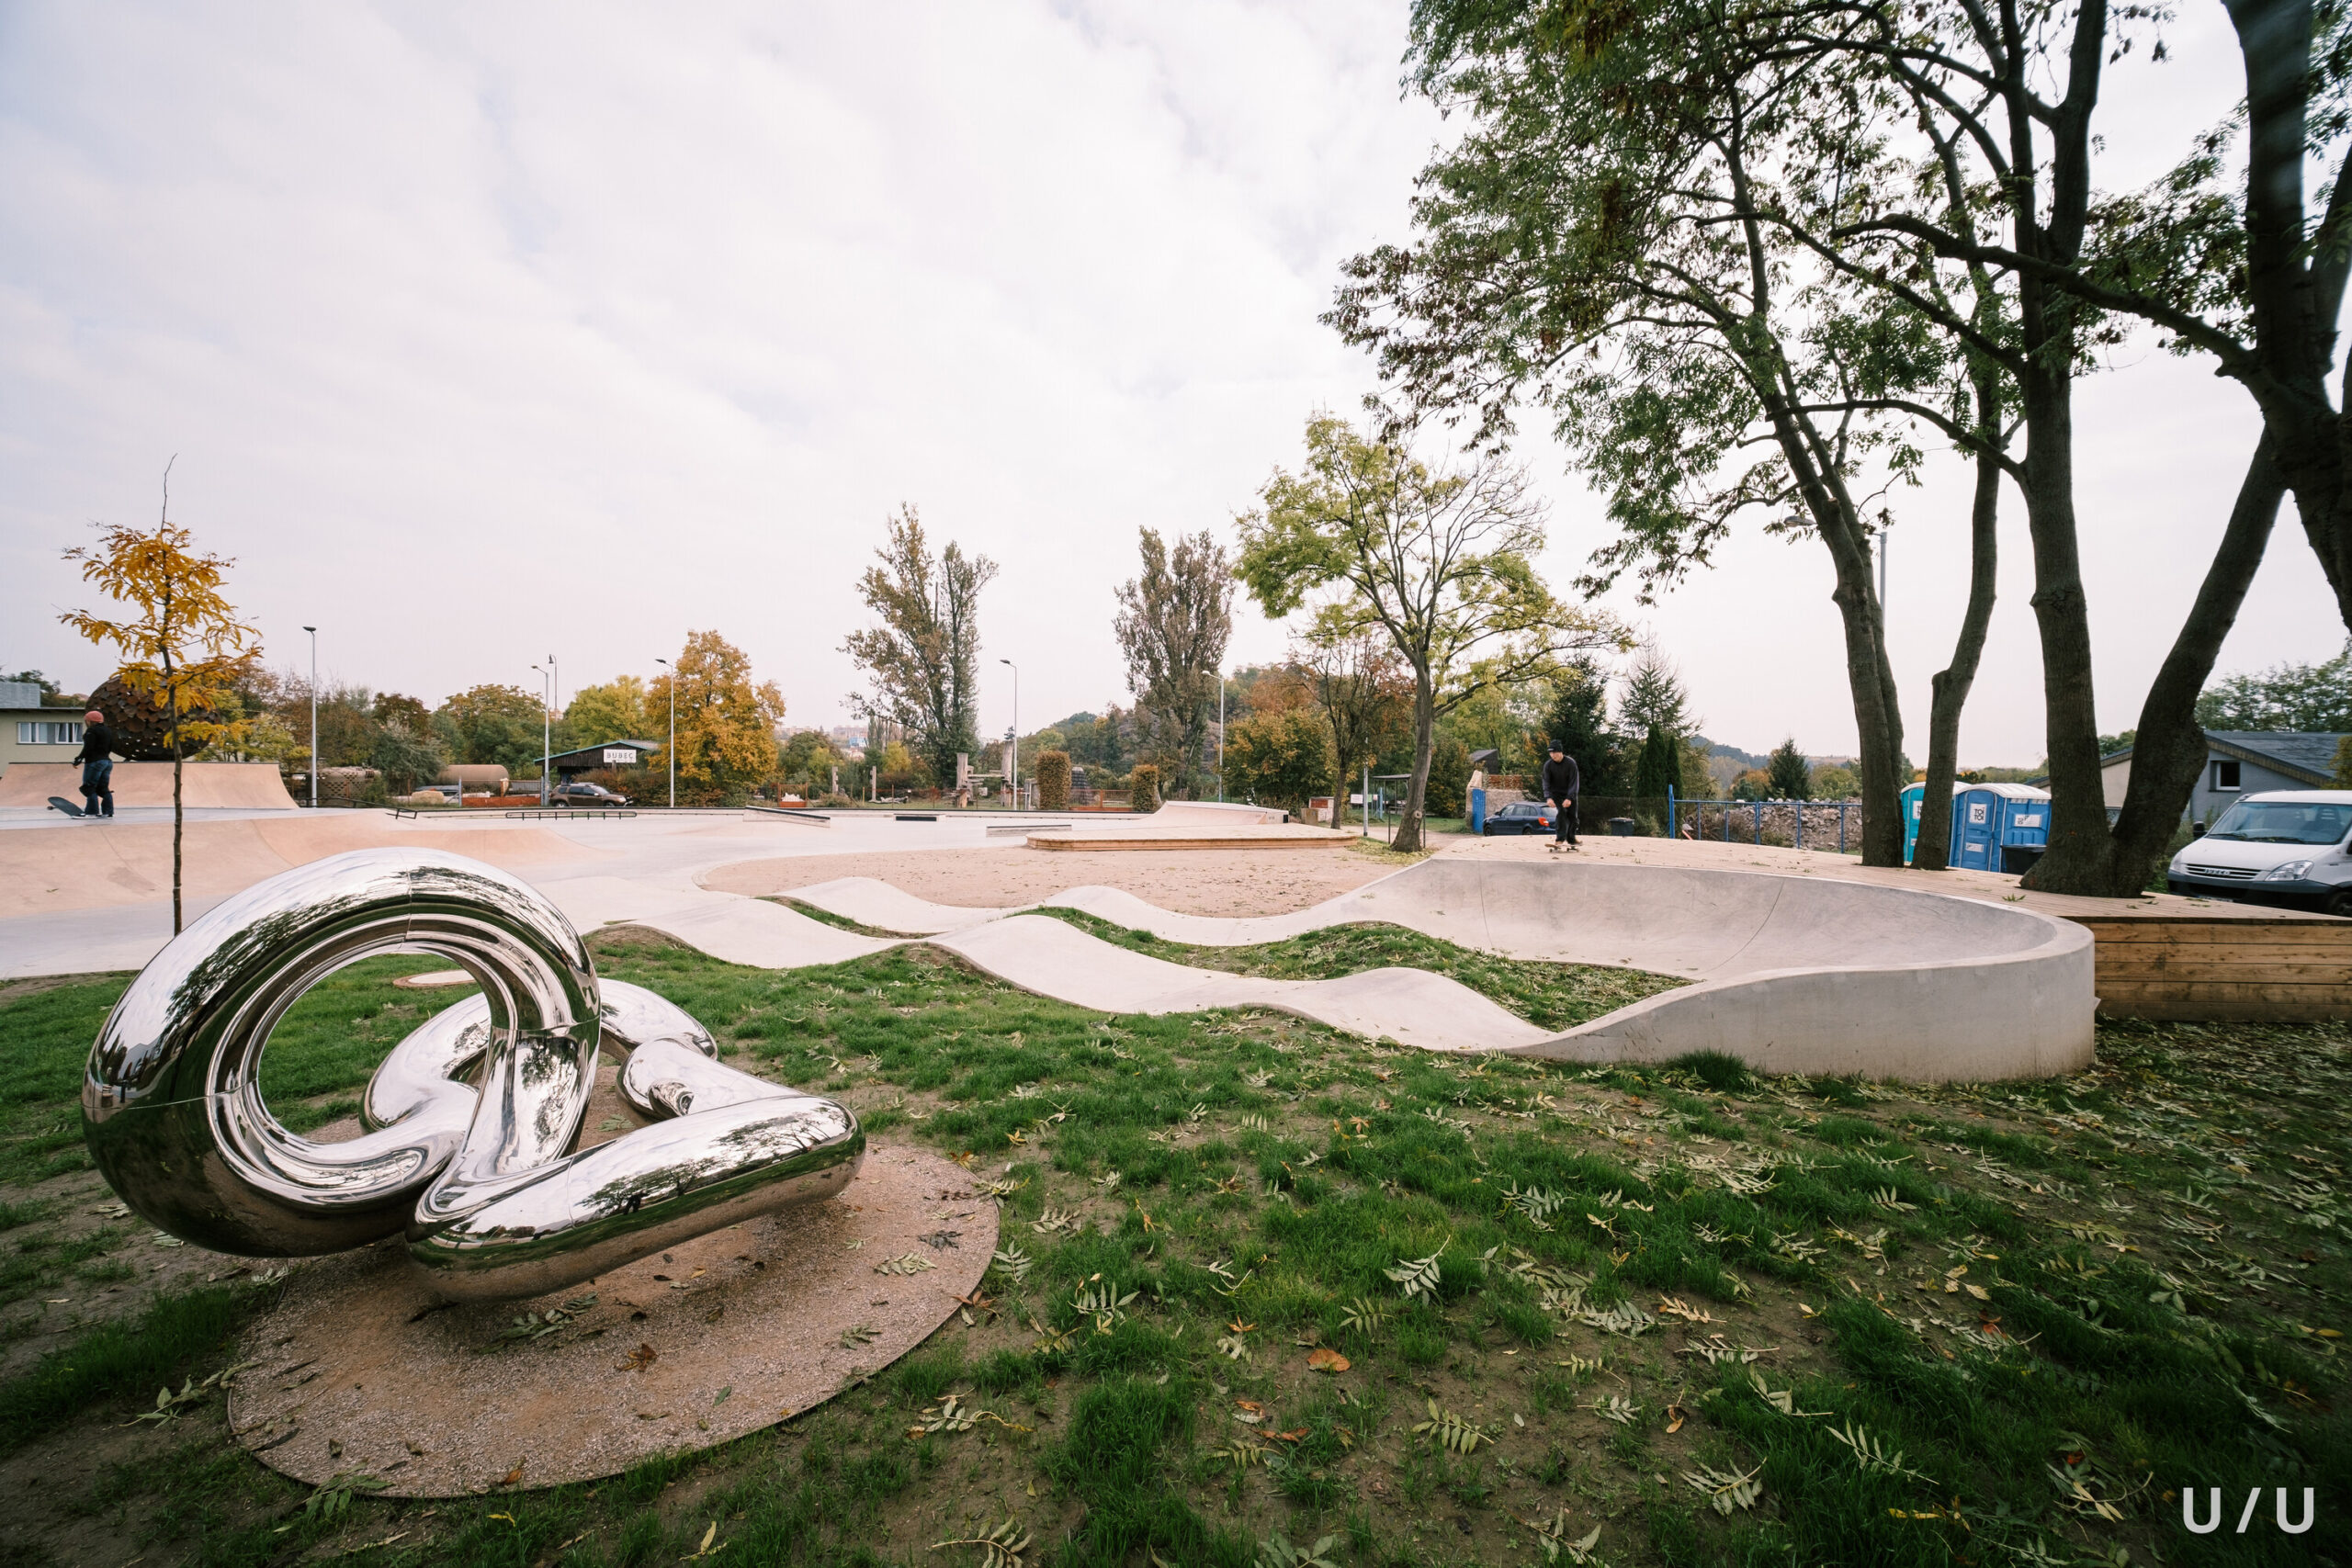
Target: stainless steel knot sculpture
[473,1120]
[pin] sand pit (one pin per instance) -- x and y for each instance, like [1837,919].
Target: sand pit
[1193,882]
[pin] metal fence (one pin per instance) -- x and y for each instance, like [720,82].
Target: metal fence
[1790,824]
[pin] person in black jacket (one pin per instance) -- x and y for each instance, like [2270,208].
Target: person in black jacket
[97,756]
[1562,783]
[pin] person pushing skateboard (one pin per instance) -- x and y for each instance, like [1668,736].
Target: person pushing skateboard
[97,758]
[1561,786]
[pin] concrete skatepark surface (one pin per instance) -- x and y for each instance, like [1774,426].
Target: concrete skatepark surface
[1793,974]
[250,786]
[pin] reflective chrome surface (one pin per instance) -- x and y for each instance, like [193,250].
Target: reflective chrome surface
[473,1120]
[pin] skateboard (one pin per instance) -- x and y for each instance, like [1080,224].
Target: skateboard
[59,803]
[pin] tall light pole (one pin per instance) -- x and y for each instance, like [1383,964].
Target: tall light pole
[547,728]
[314,715]
[671,751]
[1012,774]
[1220,736]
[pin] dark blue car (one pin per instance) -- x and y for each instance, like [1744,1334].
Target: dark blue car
[1521,817]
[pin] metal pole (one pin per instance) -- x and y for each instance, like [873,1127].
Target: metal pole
[1013,772]
[1671,824]
[314,718]
[672,751]
[547,695]
[1367,800]
[1221,735]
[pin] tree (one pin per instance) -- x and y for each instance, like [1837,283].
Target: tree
[1143,787]
[923,659]
[2343,779]
[1595,241]
[1053,781]
[52,694]
[1449,777]
[1578,717]
[618,710]
[2315,699]
[489,724]
[1440,561]
[183,644]
[1658,768]
[1279,759]
[1361,686]
[1654,697]
[726,725]
[807,762]
[2238,270]
[1172,625]
[1788,774]
[406,758]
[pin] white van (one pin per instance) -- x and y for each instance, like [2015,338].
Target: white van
[2280,847]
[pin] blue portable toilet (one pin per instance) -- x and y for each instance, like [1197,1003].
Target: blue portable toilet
[1913,796]
[1999,827]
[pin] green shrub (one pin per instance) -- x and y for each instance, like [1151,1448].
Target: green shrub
[1053,781]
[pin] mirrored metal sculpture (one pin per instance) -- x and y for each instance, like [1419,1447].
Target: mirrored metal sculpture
[472,1122]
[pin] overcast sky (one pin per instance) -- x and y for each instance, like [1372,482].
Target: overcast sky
[486,333]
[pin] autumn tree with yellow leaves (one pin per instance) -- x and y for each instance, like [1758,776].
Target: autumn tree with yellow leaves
[726,725]
[181,646]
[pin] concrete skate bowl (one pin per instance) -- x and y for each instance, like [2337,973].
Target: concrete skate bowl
[1790,974]
[1796,974]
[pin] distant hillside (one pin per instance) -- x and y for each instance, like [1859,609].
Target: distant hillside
[1745,759]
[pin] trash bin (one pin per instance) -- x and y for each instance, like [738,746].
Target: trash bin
[1623,828]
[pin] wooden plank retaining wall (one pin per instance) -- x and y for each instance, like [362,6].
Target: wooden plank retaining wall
[2183,968]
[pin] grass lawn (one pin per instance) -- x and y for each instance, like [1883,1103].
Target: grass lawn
[1265,1289]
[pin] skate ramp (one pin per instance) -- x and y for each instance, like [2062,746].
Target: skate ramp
[1789,973]
[80,866]
[1412,1006]
[204,786]
[1214,814]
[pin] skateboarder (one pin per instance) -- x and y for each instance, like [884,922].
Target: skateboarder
[1561,786]
[97,758]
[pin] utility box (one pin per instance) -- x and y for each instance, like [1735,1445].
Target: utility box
[1995,827]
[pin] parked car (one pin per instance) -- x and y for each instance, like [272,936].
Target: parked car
[2289,847]
[580,792]
[1522,817]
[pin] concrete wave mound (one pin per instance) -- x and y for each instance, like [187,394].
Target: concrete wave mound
[1807,975]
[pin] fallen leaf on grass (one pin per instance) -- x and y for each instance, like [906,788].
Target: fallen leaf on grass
[1327,1360]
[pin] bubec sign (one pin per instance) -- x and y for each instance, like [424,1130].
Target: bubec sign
[618,756]
[2252,1499]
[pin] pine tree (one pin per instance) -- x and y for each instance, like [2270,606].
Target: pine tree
[1791,776]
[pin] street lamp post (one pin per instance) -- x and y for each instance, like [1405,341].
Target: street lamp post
[1220,736]
[547,726]
[1012,741]
[671,751]
[314,715]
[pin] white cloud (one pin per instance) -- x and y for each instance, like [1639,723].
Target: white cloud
[483,333]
